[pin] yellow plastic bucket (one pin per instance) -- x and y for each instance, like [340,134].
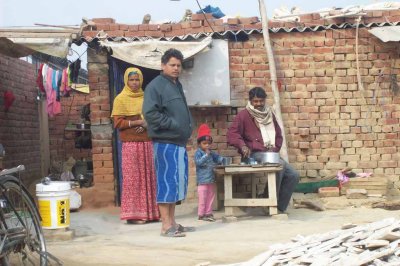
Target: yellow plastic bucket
[53,199]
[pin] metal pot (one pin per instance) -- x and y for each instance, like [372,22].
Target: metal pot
[82,126]
[266,157]
[227,161]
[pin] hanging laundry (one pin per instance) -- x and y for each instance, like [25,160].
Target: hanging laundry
[65,87]
[39,78]
[58,89]
[74,69]
[55,91]
[49,89]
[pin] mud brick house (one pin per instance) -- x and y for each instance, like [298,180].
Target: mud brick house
[331,121]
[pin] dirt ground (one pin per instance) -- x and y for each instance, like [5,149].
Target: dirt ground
[102,239]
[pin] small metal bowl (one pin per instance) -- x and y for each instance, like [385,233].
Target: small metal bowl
[227,161]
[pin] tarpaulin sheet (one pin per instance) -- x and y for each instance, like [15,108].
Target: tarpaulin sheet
[148,53]
[19,47]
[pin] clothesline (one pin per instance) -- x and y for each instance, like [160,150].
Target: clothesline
[56,83]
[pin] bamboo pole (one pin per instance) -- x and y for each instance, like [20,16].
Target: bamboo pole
[273,80]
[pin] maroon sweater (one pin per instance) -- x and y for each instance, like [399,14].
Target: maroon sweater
[244,131]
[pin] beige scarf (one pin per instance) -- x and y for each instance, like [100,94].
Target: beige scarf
[265,122]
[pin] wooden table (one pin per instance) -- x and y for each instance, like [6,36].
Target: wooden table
[230,202]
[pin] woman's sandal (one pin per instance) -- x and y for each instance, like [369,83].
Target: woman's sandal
[135,221]
[182,228]
[173,232]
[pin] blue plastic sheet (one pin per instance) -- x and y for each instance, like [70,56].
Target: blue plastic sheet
[215,11]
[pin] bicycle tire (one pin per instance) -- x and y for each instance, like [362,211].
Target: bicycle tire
[19,211]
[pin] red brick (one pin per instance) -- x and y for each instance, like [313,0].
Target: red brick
[133,27]
[143,27]
[153,27]
[104,27]
[91,34]
[103,20]
[156,34]
[195,24]
[175,33]
[176,26]
[197,17]
[115,33]
[233,21]
[114,27]
[166,27]
[185,25]
[250,20]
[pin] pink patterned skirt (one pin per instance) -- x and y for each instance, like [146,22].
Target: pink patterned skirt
[138,201]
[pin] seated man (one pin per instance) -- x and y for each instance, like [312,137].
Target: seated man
[256,129]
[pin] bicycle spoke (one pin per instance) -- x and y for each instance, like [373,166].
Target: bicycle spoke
[19,216]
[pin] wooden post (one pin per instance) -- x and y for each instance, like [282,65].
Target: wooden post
[272,70]
[44,139]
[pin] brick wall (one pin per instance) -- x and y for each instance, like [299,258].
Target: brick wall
[330,122]
[102,194]
[19,127]
[62,143]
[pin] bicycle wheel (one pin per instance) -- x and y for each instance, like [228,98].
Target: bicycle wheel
[19,215]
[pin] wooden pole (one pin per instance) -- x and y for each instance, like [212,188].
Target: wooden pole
[273,80]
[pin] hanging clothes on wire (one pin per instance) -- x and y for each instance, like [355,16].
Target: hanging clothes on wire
[65,85]
[39,78]
[74,70]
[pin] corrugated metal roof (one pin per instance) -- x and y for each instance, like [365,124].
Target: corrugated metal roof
[387,34]
[238,33]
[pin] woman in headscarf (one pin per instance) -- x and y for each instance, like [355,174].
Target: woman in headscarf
[138,201]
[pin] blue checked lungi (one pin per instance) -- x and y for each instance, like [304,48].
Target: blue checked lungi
[171,166]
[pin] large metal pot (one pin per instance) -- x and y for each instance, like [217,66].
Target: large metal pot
[266,157]
[227,161]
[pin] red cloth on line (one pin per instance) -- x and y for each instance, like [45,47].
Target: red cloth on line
[39,78]
[8,99]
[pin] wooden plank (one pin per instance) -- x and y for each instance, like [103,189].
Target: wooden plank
[247,169]
[369,191]
[228,186]
[272,193]
[253,188]
[228,194]
[366,186]
[46,30]
[35,35]
[249,202]
[368,179]
[273,210]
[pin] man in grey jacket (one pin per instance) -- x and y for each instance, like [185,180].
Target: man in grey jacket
[169,124]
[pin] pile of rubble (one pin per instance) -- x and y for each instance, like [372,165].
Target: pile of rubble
[369,244]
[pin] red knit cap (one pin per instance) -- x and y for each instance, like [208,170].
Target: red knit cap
[204,133]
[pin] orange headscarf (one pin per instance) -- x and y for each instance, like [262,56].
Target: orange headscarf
[129,103]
